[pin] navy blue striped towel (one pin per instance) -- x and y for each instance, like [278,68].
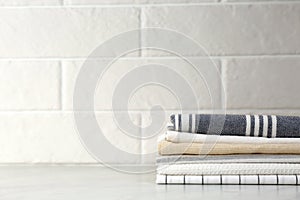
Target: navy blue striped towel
[270,126]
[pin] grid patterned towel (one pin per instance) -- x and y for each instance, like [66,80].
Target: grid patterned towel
[241,179]
[270,126]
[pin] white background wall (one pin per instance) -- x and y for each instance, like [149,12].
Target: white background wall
[255,44]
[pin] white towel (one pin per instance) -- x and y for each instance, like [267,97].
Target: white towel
[184,137]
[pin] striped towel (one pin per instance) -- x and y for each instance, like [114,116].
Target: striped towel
[269,126]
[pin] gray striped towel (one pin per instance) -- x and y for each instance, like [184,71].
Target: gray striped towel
[270,126]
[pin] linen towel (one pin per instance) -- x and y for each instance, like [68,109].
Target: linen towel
[240,179]
[236,158]
[229,169]
[270,126]
[170,148]
[184,137]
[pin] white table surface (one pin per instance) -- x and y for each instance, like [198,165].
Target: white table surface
[96,182]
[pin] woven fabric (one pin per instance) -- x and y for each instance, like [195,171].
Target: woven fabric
[270,126]
[229,169]
[240,179]
[237,158]
[170,148]
[185,137]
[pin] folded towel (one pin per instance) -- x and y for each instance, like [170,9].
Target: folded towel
[258,169]
[217,154]
[239,125]
[237,158]
[184,137]
[170,148]
[229,169]
[239,179]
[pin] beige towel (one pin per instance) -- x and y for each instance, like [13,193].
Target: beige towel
[170,148]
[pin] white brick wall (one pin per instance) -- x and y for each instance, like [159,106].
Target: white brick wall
[147,96]
[234,29]
[30,85]
[262,83]
[60,32]
[43,44]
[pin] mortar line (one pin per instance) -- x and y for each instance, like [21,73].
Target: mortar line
[153,57]
[147,110]
[217,3]
[222,85]
[140,32]
[61,86]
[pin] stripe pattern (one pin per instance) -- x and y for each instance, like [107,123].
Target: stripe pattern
[261,126]
[241,125]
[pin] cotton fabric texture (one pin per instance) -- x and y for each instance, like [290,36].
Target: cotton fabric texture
[239,125]
[230,149]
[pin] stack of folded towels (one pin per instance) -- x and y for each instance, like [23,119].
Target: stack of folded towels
[230,149]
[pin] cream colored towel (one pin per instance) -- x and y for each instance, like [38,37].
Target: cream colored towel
[170,148]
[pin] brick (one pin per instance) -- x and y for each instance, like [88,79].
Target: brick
[262,83]
[228,29]
[53,138]
[75,32]
[147,96]
[29,85]
[30,2]
[111,2]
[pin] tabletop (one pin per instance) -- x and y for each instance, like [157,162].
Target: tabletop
[99,182]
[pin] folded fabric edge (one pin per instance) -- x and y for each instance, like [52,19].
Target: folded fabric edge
[269,126]
[236,158]
[240,179]
[229,169]
[169,148]
[185,137]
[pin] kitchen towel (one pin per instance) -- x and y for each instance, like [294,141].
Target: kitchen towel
[236,158]
[270,126]
[241,179]
[171,148]
[229,169]
[184,137]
